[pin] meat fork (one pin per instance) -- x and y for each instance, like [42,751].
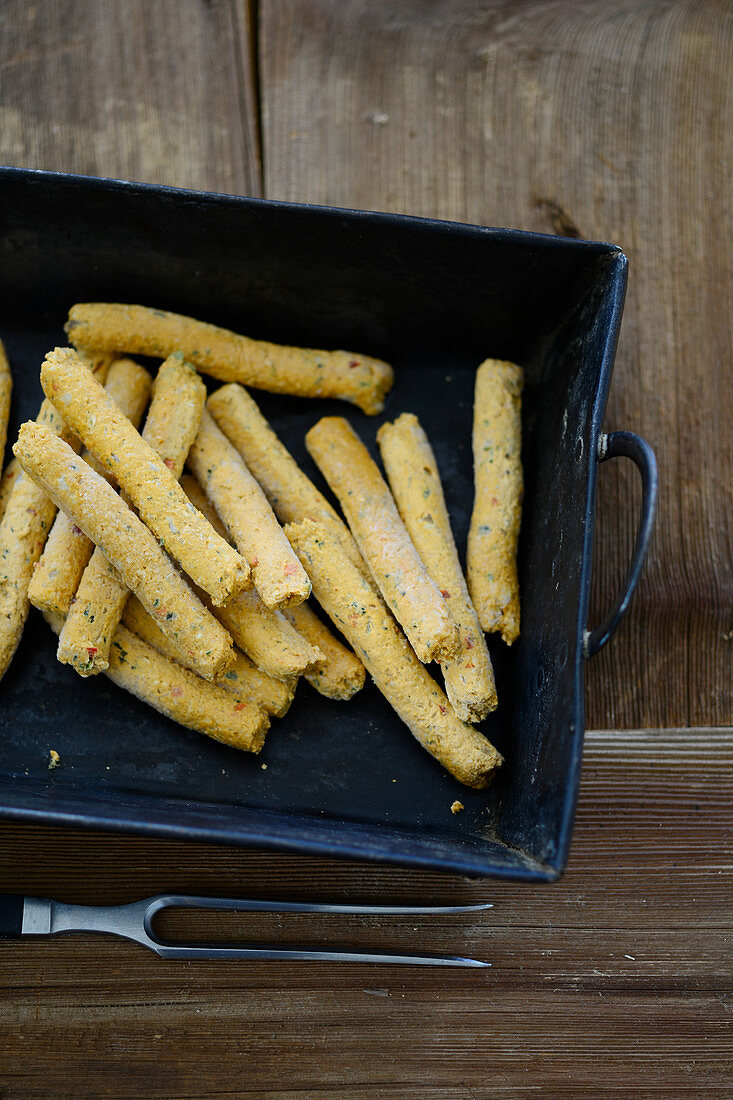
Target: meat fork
[28,916]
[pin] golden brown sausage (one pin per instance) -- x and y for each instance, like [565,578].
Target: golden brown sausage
[415,482]
[231,358]
[380,534]
[149,483]
[242,678]
[497,508]
[291,493]
[170,427]
[181,695]
[277,574]
[267,637]
[174,416]
[27,518]
[104,517]
[6,389]
[10,476]
[341,674]
[264,634]
[361,616]
[67,551]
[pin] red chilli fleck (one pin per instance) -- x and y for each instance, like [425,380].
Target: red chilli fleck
[169,463]
[441,708]
[469,642]
[176,690]
[290,569]
[354,363]
[76,530]
[445,594]
[91,650]
[240,706]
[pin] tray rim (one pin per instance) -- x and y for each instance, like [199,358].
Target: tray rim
[385,217]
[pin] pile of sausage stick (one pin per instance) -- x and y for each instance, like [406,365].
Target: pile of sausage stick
[192,590]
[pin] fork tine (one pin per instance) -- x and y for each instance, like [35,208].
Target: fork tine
[304,954]
[190,901]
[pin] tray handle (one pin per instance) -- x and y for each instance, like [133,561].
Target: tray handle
[638,450]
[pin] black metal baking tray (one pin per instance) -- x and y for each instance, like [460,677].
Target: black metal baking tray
[344,779]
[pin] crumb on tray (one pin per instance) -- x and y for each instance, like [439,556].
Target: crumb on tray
[54,760]
[457,807]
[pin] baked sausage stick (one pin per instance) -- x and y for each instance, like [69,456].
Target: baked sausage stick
[231,358]
[6,389]
[380,534]
[10,475]
[199,499]
[179,398]
[105,518]
[341,674]
[67,551]
[264,634]
[497,508]
[243,679]
[210,562]
[291,493]
[142,671]
[361,616]
[247,681]
[277,574]
[170,427]
[415,482]
[27,518]
[267,637]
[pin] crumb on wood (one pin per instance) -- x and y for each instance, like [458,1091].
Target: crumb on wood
[264,767]
[457,807]
[54,760]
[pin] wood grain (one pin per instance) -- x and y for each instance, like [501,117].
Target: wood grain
[584,118]
[162,93]
[611,982]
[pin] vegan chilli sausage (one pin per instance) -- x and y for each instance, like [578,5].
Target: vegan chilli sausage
[381,536]
[170,427]
[150,484]
[277,574]
[497,508]
[231,358]
[105,518]
[364,620]
[415,482]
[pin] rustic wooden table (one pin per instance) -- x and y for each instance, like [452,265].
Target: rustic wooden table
[579,117]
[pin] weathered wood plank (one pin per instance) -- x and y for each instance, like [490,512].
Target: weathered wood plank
[612,981]
[610,121]
[162,93]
